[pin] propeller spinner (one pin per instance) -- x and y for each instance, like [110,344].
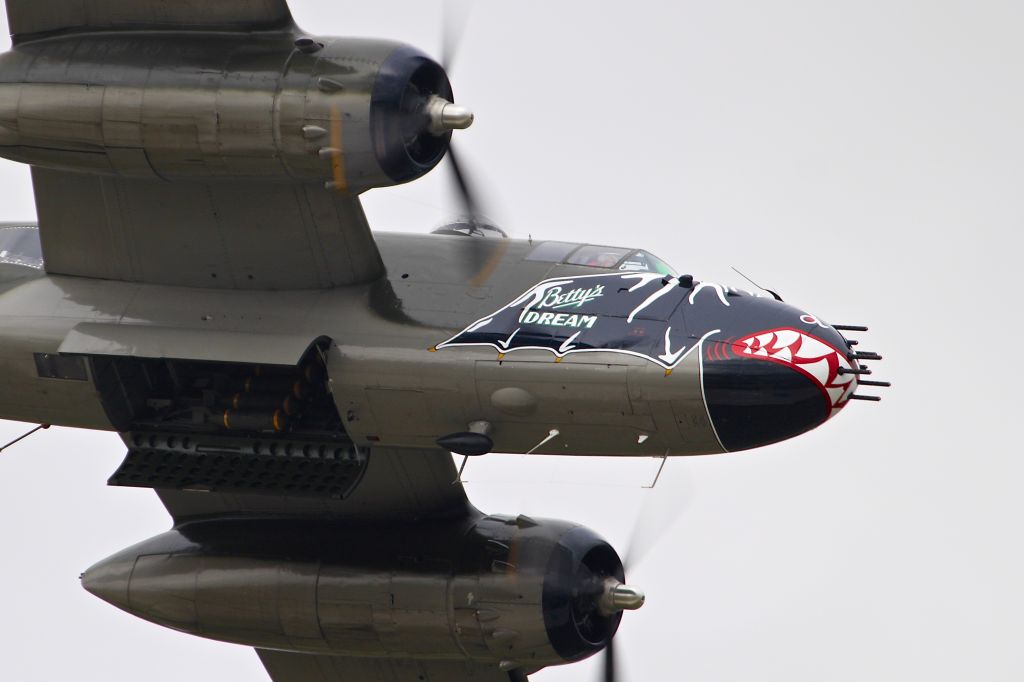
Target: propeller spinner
[445,116]
[619,597]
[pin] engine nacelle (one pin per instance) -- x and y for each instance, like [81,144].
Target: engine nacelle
[281,107]
[512,591]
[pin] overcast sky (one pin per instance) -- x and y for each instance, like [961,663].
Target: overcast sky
[865,159]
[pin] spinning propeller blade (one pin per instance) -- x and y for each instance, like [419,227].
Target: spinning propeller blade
[470,206]
[455,16]
[608,673]
[484,255]
[661,508]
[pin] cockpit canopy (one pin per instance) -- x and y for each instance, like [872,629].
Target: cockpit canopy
[19,245]
[592,255]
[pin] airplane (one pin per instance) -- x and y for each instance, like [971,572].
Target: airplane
[203,281]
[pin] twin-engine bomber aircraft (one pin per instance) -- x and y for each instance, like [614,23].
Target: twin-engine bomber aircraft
[203,281]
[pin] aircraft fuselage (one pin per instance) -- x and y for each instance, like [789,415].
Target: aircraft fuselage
[391,383]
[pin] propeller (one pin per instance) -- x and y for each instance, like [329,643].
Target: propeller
[484,255]
[608,671]
[454,17]
[662,506]
[470,205]
[600,595]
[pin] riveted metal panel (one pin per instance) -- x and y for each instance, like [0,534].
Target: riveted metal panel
[144,341]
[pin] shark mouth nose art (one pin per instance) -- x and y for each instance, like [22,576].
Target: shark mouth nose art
[828,367]
[770,385]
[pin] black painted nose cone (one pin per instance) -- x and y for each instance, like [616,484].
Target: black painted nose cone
[754,403]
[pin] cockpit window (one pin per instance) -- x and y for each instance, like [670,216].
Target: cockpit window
[551,252]
[19,245]
[597,256]
[627,260]
[641,261]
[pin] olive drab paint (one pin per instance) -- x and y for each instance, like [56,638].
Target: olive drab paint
[203,281]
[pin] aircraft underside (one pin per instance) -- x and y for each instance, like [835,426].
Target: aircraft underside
[293,385]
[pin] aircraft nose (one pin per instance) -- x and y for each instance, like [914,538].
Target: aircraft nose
[772,384]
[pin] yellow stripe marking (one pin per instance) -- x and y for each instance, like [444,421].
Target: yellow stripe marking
[338,157]
[490,266]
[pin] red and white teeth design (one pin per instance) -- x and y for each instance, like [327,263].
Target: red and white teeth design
[807,355]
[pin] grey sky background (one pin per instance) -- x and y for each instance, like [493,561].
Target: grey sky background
[866,159]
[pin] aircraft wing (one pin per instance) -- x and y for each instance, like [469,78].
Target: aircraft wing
[220,234]
[107,207]
[29,18]
[286,667]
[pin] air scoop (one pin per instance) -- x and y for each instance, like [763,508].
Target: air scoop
[445,116]
[619,597]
